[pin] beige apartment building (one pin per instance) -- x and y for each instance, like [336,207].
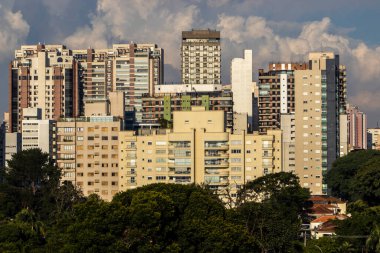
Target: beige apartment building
[317,120]
[288,128]
[197,150]
[87,152]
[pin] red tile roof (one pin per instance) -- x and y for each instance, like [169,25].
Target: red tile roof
[321,209]
[328,226]
[323,198]
[326,218]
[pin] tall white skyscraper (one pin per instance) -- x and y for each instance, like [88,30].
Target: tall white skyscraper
[242,85]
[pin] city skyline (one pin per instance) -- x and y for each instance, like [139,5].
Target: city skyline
[189,126]
[273,35]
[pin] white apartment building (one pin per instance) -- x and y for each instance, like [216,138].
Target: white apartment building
[242,85]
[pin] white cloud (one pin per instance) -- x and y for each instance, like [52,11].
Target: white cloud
[161,22]
[256,33]
[13,29]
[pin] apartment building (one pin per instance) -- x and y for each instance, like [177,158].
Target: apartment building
[342,89]
[62,82]
[12,145]
[132,68]
[197,150]
[288,128]
[357,128]
[158,109]
[373,138]
[42,76]
[38,133]
[201,57]
[87,152]
[317,119]
[343,135]
[242,85]
[276,93]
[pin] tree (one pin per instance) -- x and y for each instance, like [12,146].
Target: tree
[325,245]
[356,177]
[29,178]
[180,218]
[366,183]
[32,182]
[362,223]
[23,234]
[91,226]
[373,241]
[341,178]
[271,208]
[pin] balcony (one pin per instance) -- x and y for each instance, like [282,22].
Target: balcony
[220,146]
[179,144]
[216,163]
[131,164]
[130,147]
[179,170]
[267,146]
[217,171]
[180,180]
[131,183]
[216,154]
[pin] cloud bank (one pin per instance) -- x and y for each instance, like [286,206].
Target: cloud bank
[13,29]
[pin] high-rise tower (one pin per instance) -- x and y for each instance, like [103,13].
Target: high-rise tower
[317,119]
[44,77]
[200,56]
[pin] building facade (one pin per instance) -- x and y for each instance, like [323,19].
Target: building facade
[276,93]
[357,128]
[12,145]
[62,82]
[373,138]
[317,120]
[44,77]
[158,110]
[87,152]
[201,57]
[38,133]
[242,85]
[197,150]
[288,128]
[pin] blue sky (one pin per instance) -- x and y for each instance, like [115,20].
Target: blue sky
[276,30]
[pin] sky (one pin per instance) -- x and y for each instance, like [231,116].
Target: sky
[276,30]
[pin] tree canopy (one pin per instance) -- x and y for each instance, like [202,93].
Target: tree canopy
[40,214]
[356,178]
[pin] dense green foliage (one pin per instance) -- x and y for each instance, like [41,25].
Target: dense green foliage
[37,214]
[355,177]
